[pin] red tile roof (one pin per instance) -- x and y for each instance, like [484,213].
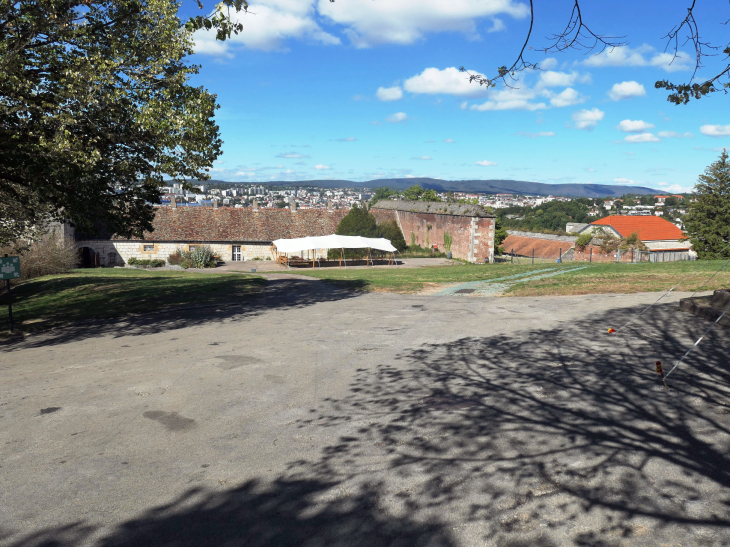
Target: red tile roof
[242,224]
[649,228]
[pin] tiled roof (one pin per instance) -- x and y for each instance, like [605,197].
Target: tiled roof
[242,224]
[649,228]
[437,207]
[523,246]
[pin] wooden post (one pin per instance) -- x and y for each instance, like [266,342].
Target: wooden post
[314,255]
[341,253]
[512,256]
[591,258]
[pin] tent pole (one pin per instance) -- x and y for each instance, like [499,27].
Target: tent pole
[314,254]
[341,251]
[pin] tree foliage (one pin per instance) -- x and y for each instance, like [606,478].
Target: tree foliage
[95,109]
[358,222]
[391,231]
[548,217]
[500,234]
[708,217]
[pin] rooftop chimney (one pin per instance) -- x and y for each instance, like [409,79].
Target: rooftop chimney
[173,203]
[256,205]
[215,204]
[329,205]
[293,205]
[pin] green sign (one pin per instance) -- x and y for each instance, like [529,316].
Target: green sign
[10,267]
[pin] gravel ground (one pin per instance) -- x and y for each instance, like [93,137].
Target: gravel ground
[316,416]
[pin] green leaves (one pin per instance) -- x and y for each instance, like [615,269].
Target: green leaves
[708,218]
[96,111]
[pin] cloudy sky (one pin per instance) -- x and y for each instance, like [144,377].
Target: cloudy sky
[364,89]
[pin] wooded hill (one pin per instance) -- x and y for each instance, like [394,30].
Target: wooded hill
[476,186]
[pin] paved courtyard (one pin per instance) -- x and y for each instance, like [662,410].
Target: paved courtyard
[317,416]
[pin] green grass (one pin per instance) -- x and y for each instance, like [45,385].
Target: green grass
[56,300]
[596,278]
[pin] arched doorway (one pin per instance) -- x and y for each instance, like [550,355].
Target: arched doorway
[88,258]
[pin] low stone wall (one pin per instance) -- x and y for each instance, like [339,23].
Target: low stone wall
[709,307]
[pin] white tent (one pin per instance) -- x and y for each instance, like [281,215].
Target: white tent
[333,242]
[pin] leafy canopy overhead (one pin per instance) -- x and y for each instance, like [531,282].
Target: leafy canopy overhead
[95,109]
[708,218]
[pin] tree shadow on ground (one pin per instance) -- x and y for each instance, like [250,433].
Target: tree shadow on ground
[257,514]
[279,294]
[542,438]
[559,435]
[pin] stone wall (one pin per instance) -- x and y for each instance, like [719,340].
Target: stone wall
[472,237]
[123,250]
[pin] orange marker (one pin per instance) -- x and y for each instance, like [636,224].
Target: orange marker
[660,372]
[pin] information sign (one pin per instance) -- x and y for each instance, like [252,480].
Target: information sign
[10,267]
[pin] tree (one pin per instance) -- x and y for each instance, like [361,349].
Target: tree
[391,231]
[413,193]
[358,222]
[382,194]
[578,35]
[500,234]
[708,217]
[95,110]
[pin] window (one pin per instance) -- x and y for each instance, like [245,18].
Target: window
[148,248]
[112,259]
[236,252]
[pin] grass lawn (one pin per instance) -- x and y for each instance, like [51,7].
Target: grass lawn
[596,278]
[84,294]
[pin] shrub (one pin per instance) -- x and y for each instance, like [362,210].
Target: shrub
[157,263]
[46,255]
[200,257]
[176,258]
[390,230]
[133,261]
[583,240]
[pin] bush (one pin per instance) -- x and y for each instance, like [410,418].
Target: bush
[47,255]
[146,262]
[390,230]
[583,240]
[200,257]
[176,258]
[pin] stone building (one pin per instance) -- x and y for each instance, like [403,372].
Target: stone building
[467,231]
[233,234]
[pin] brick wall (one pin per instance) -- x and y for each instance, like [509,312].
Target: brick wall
[472,237]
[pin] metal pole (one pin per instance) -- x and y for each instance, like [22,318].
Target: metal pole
[591,258]
[533,255]
[10,303]
[512,256]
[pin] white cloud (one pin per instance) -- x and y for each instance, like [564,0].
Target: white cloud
[547,64]
[291,155]
[497,25]
[587,119]
[675,135]
[421,158]
[486,163]
[567,97]
[622,180]
[267,27]
[398,117]
[536,135]
[517,98]
[715,130]
[551,78]
[369,22]
[389,93]
[449,81]
[626,90]
[644,55]
[321,167]
[634,126]
[642,137]
[346,139]
[449,140]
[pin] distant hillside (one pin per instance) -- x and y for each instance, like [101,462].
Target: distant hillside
[483,186]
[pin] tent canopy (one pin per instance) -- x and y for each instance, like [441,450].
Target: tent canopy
[333,242]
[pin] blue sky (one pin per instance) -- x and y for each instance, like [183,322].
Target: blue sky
[364,89]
